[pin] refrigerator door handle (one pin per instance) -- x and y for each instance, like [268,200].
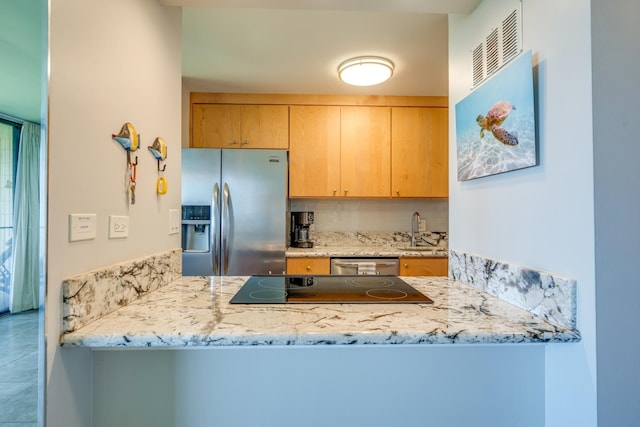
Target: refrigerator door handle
[215,226]
[227,227]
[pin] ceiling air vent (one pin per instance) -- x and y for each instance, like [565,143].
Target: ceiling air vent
[501,45]
[491,47]
[478,65]
[510,40]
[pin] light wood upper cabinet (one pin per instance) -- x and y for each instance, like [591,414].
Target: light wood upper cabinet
[239,126]
[265,126]
[213,126]
[339,151]
[419,152]
[365,140]
[314,151]
[340,146]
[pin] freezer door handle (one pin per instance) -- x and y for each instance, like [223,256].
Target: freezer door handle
[226,218]
[215,254]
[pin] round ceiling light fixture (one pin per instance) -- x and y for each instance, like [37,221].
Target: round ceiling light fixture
[365,70]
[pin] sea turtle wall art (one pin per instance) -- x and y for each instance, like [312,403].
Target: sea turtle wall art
[495,124]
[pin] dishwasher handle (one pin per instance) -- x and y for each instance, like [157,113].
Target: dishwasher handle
[355,264]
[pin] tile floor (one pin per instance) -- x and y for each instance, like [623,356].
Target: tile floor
[19,370]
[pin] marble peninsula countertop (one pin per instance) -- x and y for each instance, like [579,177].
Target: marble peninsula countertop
[374,244]
[367,251]
[195,312]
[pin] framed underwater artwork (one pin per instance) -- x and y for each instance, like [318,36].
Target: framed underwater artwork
[495,124]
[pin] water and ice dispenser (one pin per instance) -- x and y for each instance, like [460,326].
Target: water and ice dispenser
[196,228]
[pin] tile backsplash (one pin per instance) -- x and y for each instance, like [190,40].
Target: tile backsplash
[374,214]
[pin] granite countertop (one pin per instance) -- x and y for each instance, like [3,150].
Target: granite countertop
[366,251]
[195,312]
[374,244]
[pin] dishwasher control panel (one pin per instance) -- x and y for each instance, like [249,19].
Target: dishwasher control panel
[360,266]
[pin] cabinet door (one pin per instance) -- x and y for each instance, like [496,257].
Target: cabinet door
[365,151]
[215,126]
[265,126]
[308,265]
[424,266]
[419,152]
[314,151]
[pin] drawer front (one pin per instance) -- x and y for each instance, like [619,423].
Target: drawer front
[308,265]
[424,266]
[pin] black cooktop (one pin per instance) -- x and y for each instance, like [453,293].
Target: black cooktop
[325,289]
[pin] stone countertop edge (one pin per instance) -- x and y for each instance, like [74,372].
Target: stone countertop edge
[364,251]
[195,312]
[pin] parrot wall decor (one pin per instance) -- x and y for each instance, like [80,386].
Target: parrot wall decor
[159,151]
[130,141]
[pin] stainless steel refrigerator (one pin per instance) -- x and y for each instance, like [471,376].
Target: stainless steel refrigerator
[234,212]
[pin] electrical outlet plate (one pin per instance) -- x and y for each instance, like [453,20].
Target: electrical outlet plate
[174,221]
[82,227]
[118,227]
[422,225]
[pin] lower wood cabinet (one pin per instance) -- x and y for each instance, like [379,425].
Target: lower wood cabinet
[424,266]
[308,265]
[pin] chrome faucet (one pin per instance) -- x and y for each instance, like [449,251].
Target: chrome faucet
[415,225]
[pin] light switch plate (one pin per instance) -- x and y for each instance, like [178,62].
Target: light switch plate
[118,227]
[174,221]
[82,227]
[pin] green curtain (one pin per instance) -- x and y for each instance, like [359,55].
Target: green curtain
[25,280]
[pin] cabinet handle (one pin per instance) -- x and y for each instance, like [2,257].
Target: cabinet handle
[234,142]
[335,190]
[398,191]
[245,142]
[406,265]
[308,268]
[346,190]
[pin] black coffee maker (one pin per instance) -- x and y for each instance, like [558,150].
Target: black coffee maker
[300,222]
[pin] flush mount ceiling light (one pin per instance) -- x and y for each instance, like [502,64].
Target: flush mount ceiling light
[365,70]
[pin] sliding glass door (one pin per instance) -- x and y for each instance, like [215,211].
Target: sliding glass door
[9,136]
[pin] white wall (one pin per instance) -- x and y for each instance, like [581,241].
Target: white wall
[318,386]
[186,113]
[615,34]
[540,217]
[110,63]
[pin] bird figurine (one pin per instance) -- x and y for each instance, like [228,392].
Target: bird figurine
[128,137]
[158,149]
[130,141]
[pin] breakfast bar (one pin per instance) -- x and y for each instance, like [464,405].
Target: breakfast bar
[490,327]
[195,312]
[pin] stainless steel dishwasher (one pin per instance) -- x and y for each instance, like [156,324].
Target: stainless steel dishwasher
[382,266]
